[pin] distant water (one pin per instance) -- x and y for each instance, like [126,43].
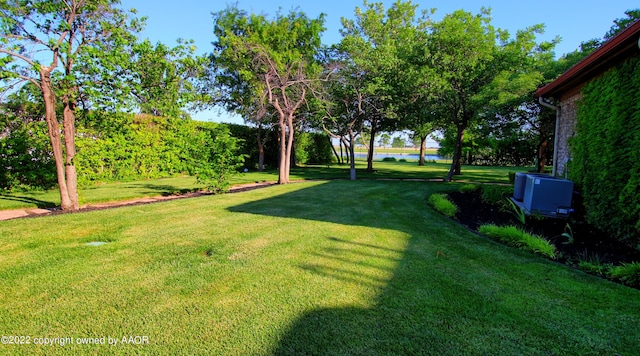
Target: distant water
[378,156]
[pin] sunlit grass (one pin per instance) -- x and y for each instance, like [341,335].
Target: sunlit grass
[335,267]
[175,185]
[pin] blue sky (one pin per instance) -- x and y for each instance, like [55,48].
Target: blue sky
[573,20]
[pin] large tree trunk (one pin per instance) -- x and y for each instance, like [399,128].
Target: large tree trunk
[542,155]
[289,149]
[457,154]
[423,149]
[260,158]
[333,148]
[282,165]
[70,147]
[351,150]
[374,124]
[66,203]
[260,150]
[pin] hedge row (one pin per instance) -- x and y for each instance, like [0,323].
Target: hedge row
[125,147]
[606,151]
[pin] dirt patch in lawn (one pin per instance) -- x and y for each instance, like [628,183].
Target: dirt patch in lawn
[589,244]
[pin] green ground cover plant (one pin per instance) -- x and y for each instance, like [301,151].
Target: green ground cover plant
[323,267]
[442,204]
[628,273]
[513,236]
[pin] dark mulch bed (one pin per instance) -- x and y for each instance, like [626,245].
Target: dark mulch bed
[589,243]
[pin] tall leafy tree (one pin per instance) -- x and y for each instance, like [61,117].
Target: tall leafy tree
[164,80]
[344,108]
[376,41]
[55,45]
[268,65]
[480,67]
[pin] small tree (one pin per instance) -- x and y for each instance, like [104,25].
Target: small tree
[222,159]
[385,139]
[270,60]
[344,111]
[55,45]
[398,142]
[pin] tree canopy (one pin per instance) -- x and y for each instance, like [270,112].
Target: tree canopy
[263,64]
[58,47]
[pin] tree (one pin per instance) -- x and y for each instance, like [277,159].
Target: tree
[344,108]
[622,23]
[398,142]
[385,139]
[420,135]
[479,68]
[53,44]
[376,42]
[220,161]
[164,79]
[273,61]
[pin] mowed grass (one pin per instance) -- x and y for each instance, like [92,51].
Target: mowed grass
[100,193]
[326,267]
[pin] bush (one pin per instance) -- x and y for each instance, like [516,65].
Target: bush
[25,158]
[442,204]
[598,269]
[389,159]
[313,148]
[515,237]
[495,194]
[221,160]
[467,188]
[627,273]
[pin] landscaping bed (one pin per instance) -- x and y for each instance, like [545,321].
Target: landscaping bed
[580,245]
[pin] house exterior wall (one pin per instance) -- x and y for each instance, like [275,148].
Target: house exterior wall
[566,129]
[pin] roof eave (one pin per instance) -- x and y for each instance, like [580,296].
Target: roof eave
[609,51]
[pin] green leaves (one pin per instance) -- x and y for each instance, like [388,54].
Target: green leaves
[605,159]
[221,160]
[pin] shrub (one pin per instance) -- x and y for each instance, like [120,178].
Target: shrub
[442,204]
[516,237]
[220,161]
[469,188]
[389,159]
[313,148]
[599,269]
[627,273]
[495,194]
[25,158]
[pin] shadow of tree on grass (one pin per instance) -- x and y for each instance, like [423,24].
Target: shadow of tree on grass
[41,204]
[450,292]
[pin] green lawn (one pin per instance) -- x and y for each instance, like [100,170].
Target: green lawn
[324,267]
[168,186]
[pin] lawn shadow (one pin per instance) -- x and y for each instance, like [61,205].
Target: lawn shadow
[162,189]
[41,204]
[446,295]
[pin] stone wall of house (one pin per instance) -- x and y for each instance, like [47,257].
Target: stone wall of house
[566,130]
